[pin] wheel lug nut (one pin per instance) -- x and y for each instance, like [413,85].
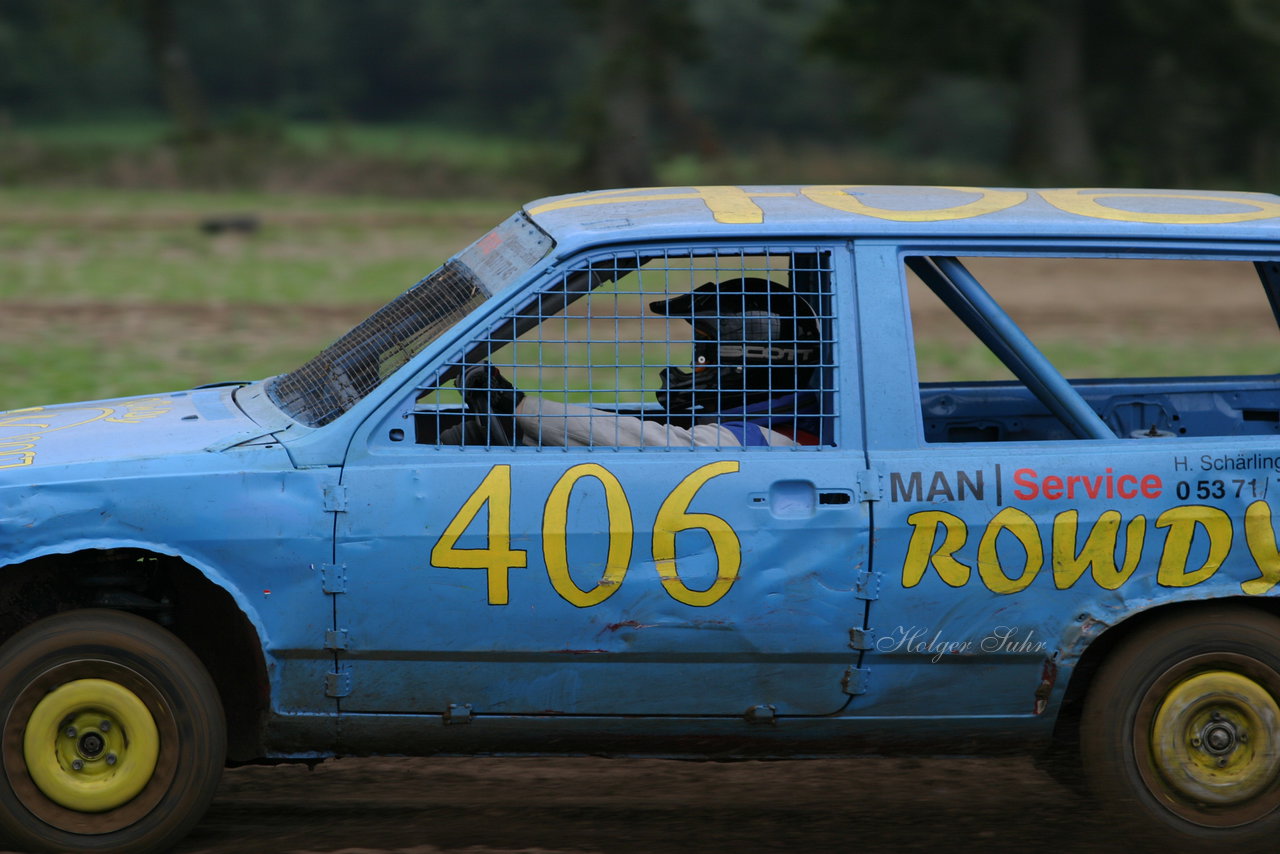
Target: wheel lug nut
[1195,741]
[105,726]
[1244,736]
[70,732]
[1217,716]
[111,759]
[77,764]
[1222,762]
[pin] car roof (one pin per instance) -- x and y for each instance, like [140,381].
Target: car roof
[584,219]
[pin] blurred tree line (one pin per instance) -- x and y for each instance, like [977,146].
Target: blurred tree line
[1141,92]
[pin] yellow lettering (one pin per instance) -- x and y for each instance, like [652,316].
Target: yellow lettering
[921,552]
[137,411]
[25,422]
[1182,522]
[1091,203]
[1098,551]
[555,524]
[1023,528]
[25,458]
[673,517]
[496,557]
[736,205]
[727,204]
[988,201]
[1261,536]
[21,447]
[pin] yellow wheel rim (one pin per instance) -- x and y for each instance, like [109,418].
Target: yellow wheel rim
[91,745]
[1215,739]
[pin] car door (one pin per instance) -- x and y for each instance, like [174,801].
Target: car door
[1021,517]
[613,578]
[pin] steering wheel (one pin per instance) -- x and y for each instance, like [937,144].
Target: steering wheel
[498,435]
[485,391]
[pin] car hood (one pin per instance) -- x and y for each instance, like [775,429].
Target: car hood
[123,429]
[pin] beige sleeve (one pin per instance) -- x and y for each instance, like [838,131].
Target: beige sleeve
[545,422]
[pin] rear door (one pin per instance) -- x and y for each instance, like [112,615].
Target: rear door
[1022,512]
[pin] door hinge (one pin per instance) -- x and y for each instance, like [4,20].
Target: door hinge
[869,485]
[337,684]
[333,577]
[855,681]
[335,498]
[457,714]
[867,585]
[335,639]
[861,639]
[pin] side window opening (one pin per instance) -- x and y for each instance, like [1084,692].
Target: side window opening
[721,348]
[1154,348]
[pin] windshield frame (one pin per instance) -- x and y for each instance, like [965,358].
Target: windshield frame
[332,382]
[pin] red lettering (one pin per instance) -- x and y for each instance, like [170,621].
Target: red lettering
[1151,486]
[1108,485]
[1052,488]
[1026,478]
[1120,488]
[1072,481]
[1093,487]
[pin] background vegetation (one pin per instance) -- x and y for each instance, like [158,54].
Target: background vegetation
[414,95]
[361,143]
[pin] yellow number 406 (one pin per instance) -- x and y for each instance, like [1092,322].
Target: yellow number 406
[498,558]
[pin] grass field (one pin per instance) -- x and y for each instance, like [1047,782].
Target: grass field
[108,293]
[112,293]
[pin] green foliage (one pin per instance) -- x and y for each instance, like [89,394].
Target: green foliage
[1096,92]
[1155,92]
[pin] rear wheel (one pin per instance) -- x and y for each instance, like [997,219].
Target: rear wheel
[1180,734]
[113,735]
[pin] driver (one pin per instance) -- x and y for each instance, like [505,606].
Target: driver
[756,345]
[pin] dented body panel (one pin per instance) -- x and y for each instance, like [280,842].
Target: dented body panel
[184,475]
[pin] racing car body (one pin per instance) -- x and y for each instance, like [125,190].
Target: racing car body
[357,556]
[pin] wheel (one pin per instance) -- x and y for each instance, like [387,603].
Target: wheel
[113,737]
[1180,732]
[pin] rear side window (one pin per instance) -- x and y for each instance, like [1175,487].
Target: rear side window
[1156,347]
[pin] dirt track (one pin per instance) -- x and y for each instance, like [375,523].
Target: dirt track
[629,806]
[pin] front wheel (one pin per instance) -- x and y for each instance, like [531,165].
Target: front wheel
[113,736]
[1180,734]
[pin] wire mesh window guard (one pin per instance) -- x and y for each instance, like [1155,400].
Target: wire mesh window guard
[730,348]
[347,370]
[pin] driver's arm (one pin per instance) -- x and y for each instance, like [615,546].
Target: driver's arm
[546,422]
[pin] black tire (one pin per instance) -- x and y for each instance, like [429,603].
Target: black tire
[1180,733]
[80,687]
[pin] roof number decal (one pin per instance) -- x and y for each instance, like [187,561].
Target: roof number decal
[737,205]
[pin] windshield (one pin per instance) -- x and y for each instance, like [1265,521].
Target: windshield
[347,370]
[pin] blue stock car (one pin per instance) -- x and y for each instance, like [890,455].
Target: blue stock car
[662,472]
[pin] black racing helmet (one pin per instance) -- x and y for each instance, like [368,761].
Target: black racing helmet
[754,340]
